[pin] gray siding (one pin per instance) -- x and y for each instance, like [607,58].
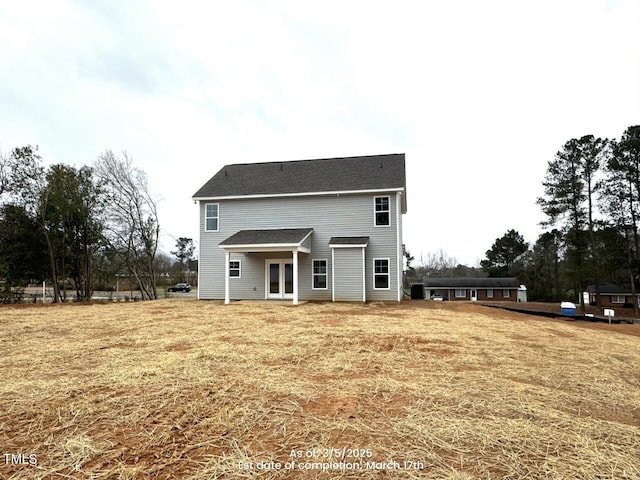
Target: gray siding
[252,284]
[348,274]
[343,215]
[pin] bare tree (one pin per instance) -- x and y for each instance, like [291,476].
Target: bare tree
[132,219]
[5,173]
[439,261]
[435,264]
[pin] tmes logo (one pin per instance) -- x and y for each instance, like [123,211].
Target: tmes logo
[20,459]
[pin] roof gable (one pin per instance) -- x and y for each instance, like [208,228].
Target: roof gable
[375,172]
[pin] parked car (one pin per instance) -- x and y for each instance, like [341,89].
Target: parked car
[180,287]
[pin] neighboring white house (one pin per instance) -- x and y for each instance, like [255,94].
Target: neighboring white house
[325,229]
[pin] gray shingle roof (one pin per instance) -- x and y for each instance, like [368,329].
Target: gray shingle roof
[349,241]
[506,282]
[264,237]
[608,288]
[375,172]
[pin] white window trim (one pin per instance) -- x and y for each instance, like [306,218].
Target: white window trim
[239,268]
[489,292]
[457,290]
[206,218]
[314,275]
[616,298]
[506,293]
[388,274]
[375,224]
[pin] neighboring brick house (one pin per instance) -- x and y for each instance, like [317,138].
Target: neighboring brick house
[612,296]
[476,289]
[325,229]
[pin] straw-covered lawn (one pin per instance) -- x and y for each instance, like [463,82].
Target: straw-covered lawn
[187,389]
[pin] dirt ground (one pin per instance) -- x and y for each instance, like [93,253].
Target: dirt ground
[624,328]
[626,313]
[199,390]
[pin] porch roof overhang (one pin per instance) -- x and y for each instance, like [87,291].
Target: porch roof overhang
[348,242]
[276,240]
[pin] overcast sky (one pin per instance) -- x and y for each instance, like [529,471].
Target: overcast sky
[479,95]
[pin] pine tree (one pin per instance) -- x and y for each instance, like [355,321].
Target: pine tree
[570,189]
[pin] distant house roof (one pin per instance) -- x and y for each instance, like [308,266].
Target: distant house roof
[609,288]
[281,236]
[472,282]
[346,174]
[349,241]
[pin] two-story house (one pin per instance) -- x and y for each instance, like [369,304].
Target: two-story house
[326,229]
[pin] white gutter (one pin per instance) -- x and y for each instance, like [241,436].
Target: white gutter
[301,194]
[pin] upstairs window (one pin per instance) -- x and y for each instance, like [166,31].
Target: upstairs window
[211,217]
[382,215]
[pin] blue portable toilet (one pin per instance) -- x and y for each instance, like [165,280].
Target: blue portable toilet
[568,309]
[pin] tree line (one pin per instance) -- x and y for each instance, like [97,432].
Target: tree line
[591,201]
[591,196]
[75,227]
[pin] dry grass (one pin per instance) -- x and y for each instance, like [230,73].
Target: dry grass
[186,389]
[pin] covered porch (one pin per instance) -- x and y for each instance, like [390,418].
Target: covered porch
[283,247]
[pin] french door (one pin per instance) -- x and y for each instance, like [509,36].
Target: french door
[279,282]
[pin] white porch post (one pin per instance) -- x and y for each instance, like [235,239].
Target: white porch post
[364,279]
[227,257]
[333,278]
[399,246]
[295,277]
